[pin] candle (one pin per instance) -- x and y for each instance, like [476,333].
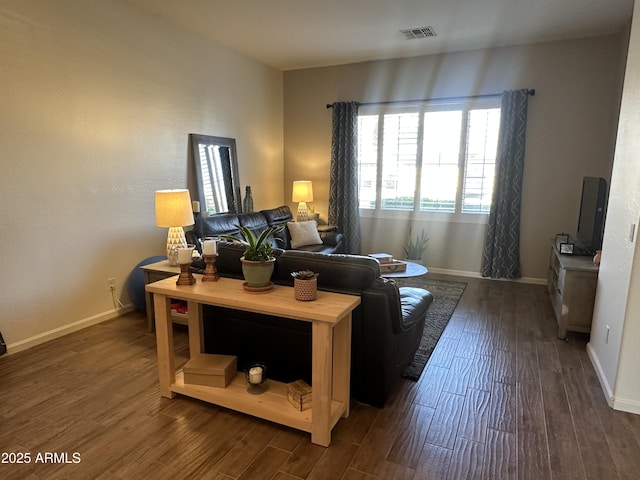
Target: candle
[255,375]
[184,255]
[195,206]
[209,247]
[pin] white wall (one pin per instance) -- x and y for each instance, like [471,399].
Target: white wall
[571,131]
[618,299]
[98,99]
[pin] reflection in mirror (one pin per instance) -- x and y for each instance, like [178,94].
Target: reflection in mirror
[217,173]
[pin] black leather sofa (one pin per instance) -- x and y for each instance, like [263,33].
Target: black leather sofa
[226,224]
[386,328]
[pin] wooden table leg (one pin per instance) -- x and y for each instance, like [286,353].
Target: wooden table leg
[164,343]
[321,373]
[194,317]
[148,301]
[342,363]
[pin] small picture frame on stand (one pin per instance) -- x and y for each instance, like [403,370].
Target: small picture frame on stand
[561,238]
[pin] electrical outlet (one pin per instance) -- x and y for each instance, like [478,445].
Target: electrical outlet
[606,338]
[111,283]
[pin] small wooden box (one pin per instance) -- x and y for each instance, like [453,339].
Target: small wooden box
[396,266]
[299,394]
[211,370]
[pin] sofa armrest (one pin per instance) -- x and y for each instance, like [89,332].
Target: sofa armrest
[386,336]
[408,305]
[414,303]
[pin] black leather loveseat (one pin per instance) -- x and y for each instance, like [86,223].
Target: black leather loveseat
[226,224]
[386,330]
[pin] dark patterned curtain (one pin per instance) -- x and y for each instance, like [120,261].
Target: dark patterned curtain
[343,187]
[501,257]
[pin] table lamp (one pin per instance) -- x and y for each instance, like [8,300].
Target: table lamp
[302,193]
[174,210]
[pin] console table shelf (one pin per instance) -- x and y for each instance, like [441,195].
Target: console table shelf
[330,316]
[272,405]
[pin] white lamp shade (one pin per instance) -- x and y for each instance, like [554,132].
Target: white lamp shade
[173,208]
[302,191]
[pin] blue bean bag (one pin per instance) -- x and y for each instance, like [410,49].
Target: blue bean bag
[135,283]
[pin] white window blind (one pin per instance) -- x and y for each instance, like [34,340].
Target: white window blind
[429,157]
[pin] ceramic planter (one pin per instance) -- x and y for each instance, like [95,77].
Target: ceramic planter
[305,290]
[257,274]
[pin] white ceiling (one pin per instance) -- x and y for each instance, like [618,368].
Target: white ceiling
[293,34]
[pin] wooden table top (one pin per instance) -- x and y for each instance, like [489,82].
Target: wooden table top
[228,292]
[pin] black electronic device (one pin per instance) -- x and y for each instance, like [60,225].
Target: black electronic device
[592,215]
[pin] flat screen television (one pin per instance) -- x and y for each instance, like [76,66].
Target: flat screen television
[592,213]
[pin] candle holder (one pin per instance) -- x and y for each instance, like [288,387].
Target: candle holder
[256,374]
[185,277]
[210,272]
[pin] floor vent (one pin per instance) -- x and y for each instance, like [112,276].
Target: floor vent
[419,32]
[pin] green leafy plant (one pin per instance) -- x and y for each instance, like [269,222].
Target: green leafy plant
[415,250]
[304,275]
[258,248]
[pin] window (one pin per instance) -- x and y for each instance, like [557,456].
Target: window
[433,157]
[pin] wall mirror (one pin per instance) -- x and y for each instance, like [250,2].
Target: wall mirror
[216,165]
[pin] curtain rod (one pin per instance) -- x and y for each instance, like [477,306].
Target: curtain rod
[530,91]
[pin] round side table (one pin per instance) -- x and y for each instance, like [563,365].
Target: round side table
[413,270]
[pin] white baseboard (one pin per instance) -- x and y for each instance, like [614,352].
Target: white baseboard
[66,329]
[464,273]
[626,405]
[617,403]
[604,384]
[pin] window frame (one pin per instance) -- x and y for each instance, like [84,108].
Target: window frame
[463,104]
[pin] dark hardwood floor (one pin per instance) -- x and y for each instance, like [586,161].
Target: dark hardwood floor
[501,398]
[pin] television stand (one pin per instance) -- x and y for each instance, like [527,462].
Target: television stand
[572,281]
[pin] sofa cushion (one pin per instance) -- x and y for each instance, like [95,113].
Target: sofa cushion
[280,216]
[257,223]
[337,272]
[254,221]
[304,233]
[218,224]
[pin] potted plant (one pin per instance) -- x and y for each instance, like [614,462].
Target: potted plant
[414,250]
[258,259]
[305,285]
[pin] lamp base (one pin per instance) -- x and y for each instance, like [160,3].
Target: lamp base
[303,213]
[175,239]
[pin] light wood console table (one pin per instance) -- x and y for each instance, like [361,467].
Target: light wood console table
[330,315]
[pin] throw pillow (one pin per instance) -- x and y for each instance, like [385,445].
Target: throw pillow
[304,233]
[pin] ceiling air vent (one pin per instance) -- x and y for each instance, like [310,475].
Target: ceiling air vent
[419,32]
